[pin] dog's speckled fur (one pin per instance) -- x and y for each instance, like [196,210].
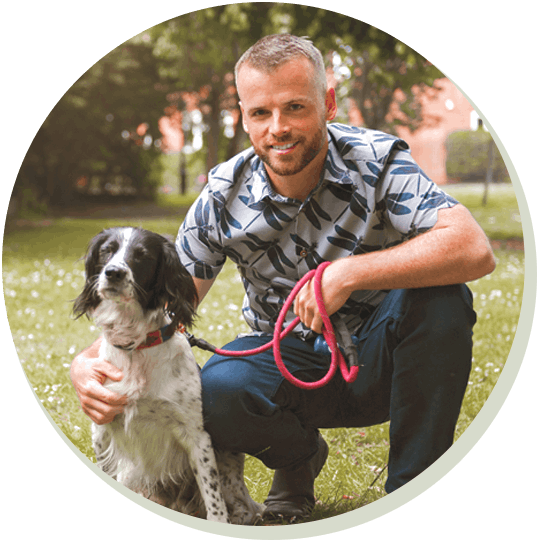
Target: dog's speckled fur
[158,447]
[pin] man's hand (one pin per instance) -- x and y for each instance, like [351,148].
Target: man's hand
[88,374]
[334,297]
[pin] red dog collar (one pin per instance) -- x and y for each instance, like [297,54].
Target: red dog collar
[155,338]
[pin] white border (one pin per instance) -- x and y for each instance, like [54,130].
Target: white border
[423,482]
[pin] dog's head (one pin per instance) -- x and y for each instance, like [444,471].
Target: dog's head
[128,264]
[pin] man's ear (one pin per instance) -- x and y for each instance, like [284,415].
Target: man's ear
[330,104]
[243,117]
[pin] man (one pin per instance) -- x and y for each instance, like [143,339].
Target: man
[400,250]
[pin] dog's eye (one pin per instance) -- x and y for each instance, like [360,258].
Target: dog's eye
[108,249]
[141,253]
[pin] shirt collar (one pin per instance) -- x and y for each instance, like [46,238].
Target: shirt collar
[334,170]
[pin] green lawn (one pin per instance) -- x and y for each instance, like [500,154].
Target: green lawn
[500,217]
[43,273]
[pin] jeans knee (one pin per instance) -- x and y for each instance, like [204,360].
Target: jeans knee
[436,326]
[220,388]
[445,313]
[232,400]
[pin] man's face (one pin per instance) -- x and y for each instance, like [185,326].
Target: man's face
[285,115]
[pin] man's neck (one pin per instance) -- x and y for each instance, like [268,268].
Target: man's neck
[300,185]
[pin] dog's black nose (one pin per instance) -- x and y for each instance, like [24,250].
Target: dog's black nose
[115,274]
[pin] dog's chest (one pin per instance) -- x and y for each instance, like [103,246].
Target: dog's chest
[166,372]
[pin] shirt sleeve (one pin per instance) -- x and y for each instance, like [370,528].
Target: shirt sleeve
[410,200]
[198,241]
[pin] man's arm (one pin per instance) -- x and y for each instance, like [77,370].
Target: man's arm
[202,287]
[454,251]
[88,373]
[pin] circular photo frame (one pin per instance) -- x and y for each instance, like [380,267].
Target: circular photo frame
[482,472]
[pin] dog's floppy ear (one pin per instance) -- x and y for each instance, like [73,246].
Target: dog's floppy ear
[175,287]
[88,299]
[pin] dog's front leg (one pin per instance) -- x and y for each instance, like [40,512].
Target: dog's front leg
[204,467]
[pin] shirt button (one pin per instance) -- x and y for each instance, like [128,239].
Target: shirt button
[303,252]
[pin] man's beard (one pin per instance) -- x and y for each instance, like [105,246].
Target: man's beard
[296,164]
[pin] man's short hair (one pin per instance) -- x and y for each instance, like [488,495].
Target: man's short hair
[271,52]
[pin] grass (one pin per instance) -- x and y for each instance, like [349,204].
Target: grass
[500,217]
[43,273]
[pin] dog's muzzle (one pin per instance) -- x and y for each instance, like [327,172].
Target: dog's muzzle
[115,274]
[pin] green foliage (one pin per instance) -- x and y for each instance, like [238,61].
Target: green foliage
[89,141]
[467,157]
[370,64]
[101,136]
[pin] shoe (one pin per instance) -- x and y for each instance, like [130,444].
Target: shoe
[292,491]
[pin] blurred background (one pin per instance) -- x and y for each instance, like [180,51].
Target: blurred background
[146,123]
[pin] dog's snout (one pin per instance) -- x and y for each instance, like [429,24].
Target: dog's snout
[115,274]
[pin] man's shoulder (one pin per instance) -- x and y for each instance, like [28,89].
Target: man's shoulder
[227,174]
[363,144]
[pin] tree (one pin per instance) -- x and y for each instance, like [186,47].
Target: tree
[369,64]
[197,53]
[99,136]
[103,133]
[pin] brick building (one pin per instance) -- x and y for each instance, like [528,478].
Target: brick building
[444,111]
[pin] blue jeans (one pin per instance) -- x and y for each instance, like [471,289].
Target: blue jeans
[415,357]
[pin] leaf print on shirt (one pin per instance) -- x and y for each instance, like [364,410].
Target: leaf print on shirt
[271,213]
[201,213]
[201,270]
[432,200]
[359,206]
[312,258]
[271,249]
[223,216]
[312,211]
[201,223]
[344,193]
[234,255]
[347,144]
[345,240]
[405,167]
[373,179]
[238,167]
[335,171]
[394,200]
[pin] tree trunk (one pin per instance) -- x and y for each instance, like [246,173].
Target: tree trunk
[212,157]
[489,173]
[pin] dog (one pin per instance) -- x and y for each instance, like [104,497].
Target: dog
[138,292]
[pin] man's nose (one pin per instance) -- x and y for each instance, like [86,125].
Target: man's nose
[279,125]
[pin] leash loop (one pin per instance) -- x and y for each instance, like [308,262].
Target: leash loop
[337,359]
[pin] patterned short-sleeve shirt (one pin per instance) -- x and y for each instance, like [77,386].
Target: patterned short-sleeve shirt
[371,195]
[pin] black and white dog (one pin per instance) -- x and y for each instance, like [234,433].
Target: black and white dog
[139,293]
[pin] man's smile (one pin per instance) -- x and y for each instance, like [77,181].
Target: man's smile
[284,149]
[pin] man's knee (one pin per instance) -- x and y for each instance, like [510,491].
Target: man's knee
[222,385]
[440,313]
[434,332]
[232,400]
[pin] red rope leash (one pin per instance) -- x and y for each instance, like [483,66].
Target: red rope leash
[337,359]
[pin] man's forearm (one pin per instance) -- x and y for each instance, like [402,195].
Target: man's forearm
[455,251]
[450,253]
